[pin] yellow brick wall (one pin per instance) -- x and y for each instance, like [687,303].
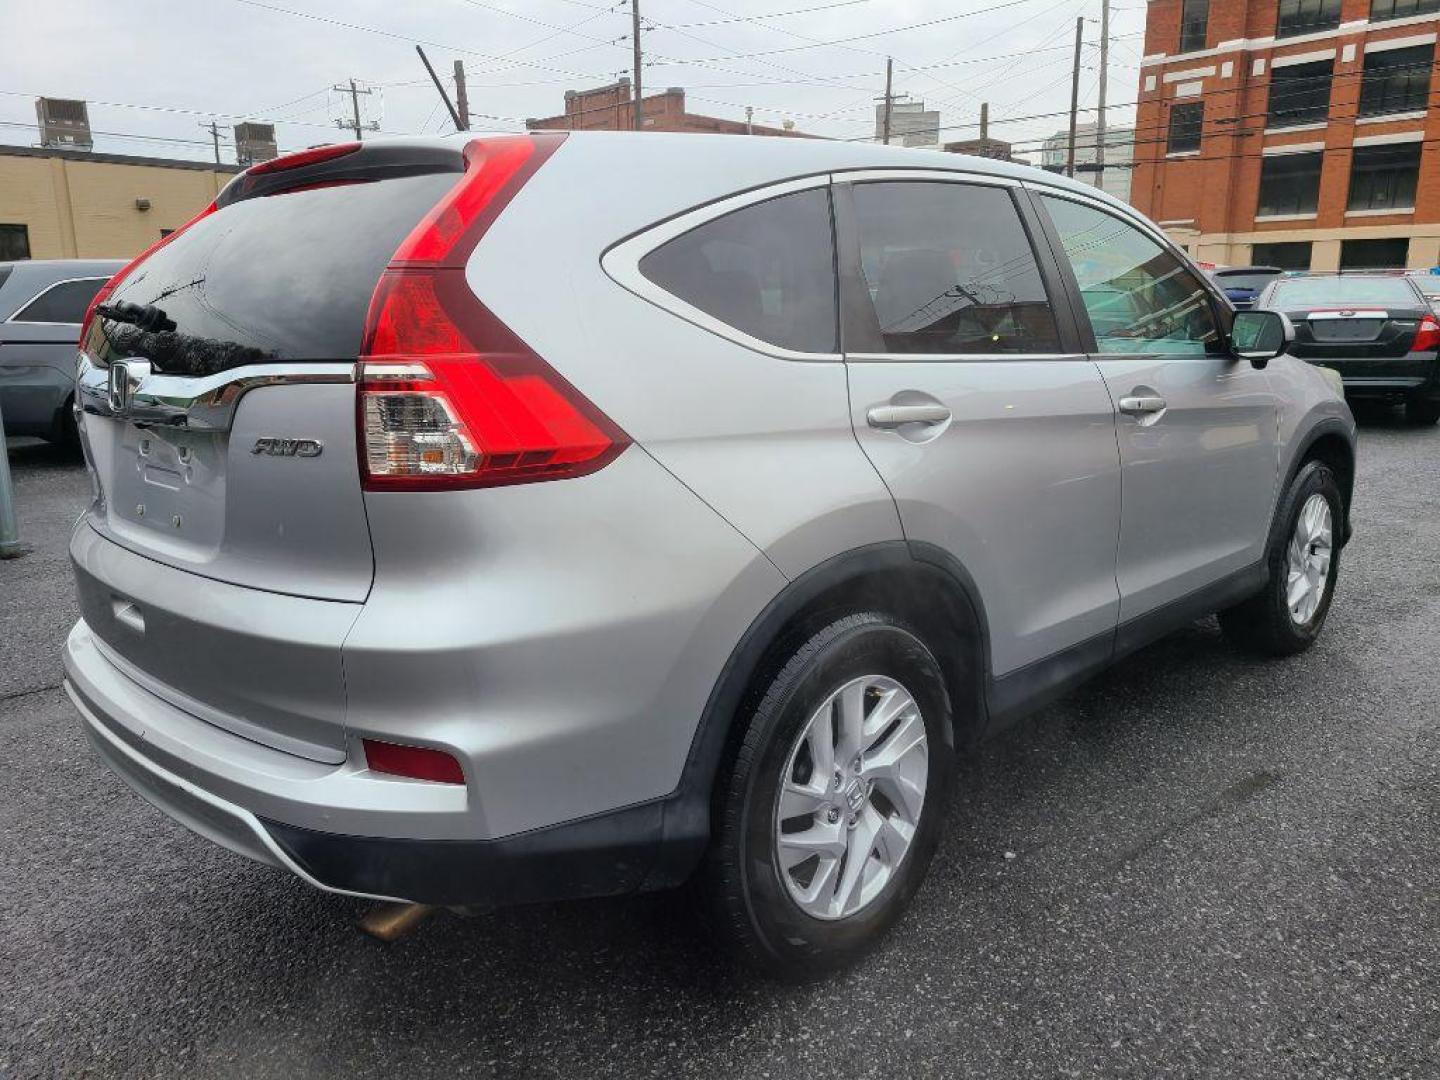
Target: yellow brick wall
[86,209]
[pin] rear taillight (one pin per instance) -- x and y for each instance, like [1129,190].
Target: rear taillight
[120,275]
[414,762]
[449,396]
[1427,336]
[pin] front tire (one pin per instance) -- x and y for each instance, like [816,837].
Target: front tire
[827,816]
[1303,560]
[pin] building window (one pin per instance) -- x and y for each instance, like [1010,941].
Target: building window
[1396,80]
[1383,177]
[14,242]
[1299,94]
[1399,9]
[1288,256]
[1289,184]
[1387,254]
[1185,123]
[1194,20]
[1306,17]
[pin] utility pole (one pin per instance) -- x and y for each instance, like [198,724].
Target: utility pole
[749,120]
[354,91]
[462,98]
[1074,98]
[440,89]
[635,41]
[215,135]
[889,97]
[1100,105]
[984,123]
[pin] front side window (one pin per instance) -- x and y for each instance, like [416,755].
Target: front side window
[1396,81]
[1185,124]
[1383,177]
[768,270]
[1140,298]
[1194,21]
[14,242]
[62,303]
[1289,184]
[1306,17]
[1400,9]
[1299,94]
[949,269]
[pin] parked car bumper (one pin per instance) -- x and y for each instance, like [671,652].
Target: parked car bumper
[1415,374]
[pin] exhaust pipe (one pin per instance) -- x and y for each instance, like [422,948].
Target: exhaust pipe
[393,921]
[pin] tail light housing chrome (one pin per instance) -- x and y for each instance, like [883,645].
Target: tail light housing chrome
[449,396]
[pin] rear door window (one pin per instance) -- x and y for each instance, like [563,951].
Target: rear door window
[1140,297]
[949,269]
[767,270]
[64,302]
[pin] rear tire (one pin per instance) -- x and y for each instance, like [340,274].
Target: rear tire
[803,895]
[1422,412]
[1303,560]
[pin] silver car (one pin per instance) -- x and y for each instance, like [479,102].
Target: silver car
[490,520]
[42,304]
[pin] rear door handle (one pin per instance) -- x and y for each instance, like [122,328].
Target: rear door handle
[1139,406]
[893,416]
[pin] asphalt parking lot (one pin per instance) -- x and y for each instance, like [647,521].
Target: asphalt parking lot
[1198,865]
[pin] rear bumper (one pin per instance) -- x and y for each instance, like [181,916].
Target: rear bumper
[609,854]
[1417,373]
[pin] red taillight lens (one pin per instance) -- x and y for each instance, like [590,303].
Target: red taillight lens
[125,271]
[415,762]
[448,395]
[1427,336]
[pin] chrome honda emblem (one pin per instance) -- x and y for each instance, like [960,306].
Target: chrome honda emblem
[119,386]
[124,377]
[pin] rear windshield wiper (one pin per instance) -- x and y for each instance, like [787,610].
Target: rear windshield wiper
[147,317]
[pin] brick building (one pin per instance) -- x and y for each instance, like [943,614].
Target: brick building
[609,108]
[1297,133]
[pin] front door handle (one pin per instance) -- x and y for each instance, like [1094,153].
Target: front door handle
[1139,406]
[893,416]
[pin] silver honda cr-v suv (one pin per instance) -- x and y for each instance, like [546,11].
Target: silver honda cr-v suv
[489,520]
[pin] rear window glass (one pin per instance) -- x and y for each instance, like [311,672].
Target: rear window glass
[1429,285]
[279,277]
[767,270]
[949,269]
[62,303]
[1245,280]
[1319,291]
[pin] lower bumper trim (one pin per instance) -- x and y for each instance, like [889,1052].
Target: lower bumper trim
[603,856]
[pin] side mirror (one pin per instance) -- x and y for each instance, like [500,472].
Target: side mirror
[1260,336]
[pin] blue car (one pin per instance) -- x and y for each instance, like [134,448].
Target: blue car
[42,303]
[1242,284]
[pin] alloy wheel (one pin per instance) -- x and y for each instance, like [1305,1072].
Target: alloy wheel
[851,797]
[1308,559]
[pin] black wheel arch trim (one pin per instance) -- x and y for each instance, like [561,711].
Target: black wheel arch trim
[1324,428]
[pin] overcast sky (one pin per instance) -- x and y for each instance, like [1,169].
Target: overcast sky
[155,71]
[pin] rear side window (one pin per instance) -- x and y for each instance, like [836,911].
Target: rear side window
[278,277]
[768,270]
[1140,297]
[62,303]
[949,269]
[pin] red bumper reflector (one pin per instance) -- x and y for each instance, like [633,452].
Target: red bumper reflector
[415,762]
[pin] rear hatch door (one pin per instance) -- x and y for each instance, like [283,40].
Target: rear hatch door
[218,403]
